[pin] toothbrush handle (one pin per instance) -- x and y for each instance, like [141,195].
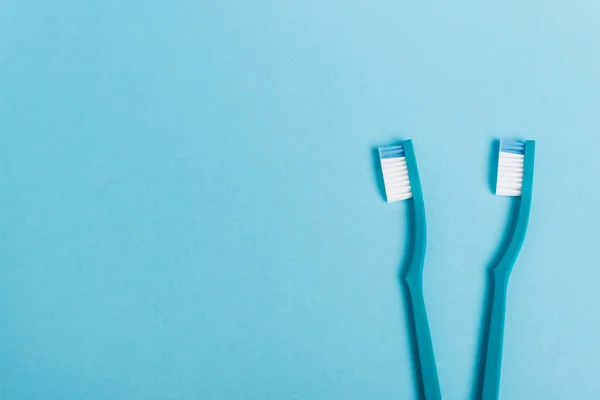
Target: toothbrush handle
[429,375]
[493,359]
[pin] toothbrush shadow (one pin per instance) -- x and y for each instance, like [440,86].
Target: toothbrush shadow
[484,328]
[378,173]
[493,166]
[406,301]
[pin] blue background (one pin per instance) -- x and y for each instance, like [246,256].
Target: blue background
[190,206]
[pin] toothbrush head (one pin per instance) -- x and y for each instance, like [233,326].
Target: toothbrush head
[511,163]
[395,173]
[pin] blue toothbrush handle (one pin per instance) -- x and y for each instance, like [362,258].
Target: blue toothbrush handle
[429,375]
[493,360]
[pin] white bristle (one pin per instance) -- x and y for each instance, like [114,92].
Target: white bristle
[395,178]
[510,174]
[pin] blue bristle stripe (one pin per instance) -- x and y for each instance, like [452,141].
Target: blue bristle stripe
[512,146]
[391,151]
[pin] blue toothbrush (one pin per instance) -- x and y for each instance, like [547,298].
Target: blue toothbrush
[401,179]
[515,178]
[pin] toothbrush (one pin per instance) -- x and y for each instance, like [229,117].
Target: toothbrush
[401,179]
[515,178]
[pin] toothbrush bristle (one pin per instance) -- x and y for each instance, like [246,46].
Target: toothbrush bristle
[395,173]
[511,162]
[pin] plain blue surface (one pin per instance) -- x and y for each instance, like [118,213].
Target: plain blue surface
[190,205]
